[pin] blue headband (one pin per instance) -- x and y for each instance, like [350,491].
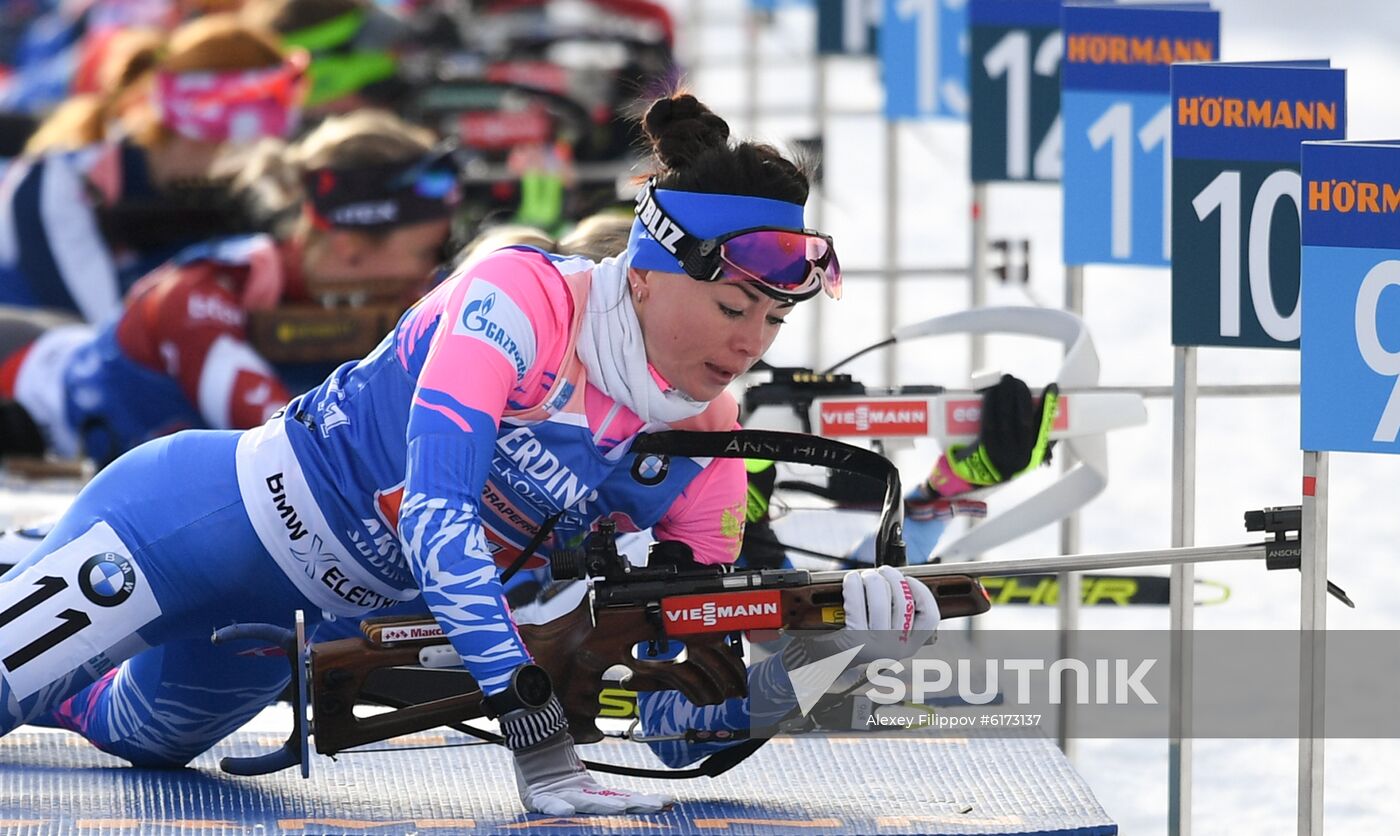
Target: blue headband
[705,215]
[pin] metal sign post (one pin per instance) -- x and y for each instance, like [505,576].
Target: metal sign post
[891,247]
[1070,588]
[1350,379]
[1014,79]
[1234,260]
[977,274]
[924,68]
[818,199]
[1182,595]
[1312,674]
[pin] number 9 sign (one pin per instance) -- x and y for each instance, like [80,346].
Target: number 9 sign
[1351,296]
[1237,195]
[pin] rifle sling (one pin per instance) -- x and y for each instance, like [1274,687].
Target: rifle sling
[529,550]
[799,449]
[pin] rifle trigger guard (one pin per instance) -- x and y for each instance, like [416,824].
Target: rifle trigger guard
[633,735]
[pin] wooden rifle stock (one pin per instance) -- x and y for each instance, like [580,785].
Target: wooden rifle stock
[671,598]
[577,649]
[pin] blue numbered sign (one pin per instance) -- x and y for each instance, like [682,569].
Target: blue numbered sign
[847,27]
[1116,103]
[1237,195]
[1014,75]
[1351,296]
[923,58]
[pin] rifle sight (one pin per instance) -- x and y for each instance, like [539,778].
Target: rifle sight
[600,559]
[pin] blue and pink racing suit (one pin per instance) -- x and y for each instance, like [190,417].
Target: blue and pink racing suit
[417,469]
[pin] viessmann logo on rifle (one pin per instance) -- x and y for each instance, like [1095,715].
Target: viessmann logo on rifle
[874,418]
[722,612]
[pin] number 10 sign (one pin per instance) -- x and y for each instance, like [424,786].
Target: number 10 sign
[1237,195]
[1351,296]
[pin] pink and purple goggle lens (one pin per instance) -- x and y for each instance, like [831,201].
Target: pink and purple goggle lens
[789,262]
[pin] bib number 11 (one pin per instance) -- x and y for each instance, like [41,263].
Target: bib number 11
[70,621]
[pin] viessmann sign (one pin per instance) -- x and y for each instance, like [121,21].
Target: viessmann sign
[873,418]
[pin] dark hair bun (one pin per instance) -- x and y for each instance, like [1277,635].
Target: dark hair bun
[680,129]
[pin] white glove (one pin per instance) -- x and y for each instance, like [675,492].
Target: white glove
[553,781]
[888,613]
[888,616]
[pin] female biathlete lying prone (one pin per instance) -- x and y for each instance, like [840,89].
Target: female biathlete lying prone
[509,394]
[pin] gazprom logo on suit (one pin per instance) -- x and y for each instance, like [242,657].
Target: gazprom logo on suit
[650,469]
[490,315]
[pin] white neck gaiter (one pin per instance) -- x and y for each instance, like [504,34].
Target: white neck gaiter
[612,350]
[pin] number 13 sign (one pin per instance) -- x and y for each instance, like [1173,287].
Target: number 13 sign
[1237,195]
[1351,296]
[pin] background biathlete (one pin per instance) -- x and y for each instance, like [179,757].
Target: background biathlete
[178,356]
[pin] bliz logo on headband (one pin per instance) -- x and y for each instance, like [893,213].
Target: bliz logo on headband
[490,315]
[366,214]
[666,233]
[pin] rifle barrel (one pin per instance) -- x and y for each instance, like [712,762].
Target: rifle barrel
[1074,562]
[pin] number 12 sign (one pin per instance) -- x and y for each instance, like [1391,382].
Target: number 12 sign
[1237,195]
[1351,296]
[1116,104]
[1015,81]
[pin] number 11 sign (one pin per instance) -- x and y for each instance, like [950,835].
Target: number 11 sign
[1116,104]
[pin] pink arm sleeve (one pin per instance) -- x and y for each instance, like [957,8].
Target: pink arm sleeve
[508,313]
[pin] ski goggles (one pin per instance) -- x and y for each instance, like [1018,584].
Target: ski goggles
[781,259]
[238,106]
